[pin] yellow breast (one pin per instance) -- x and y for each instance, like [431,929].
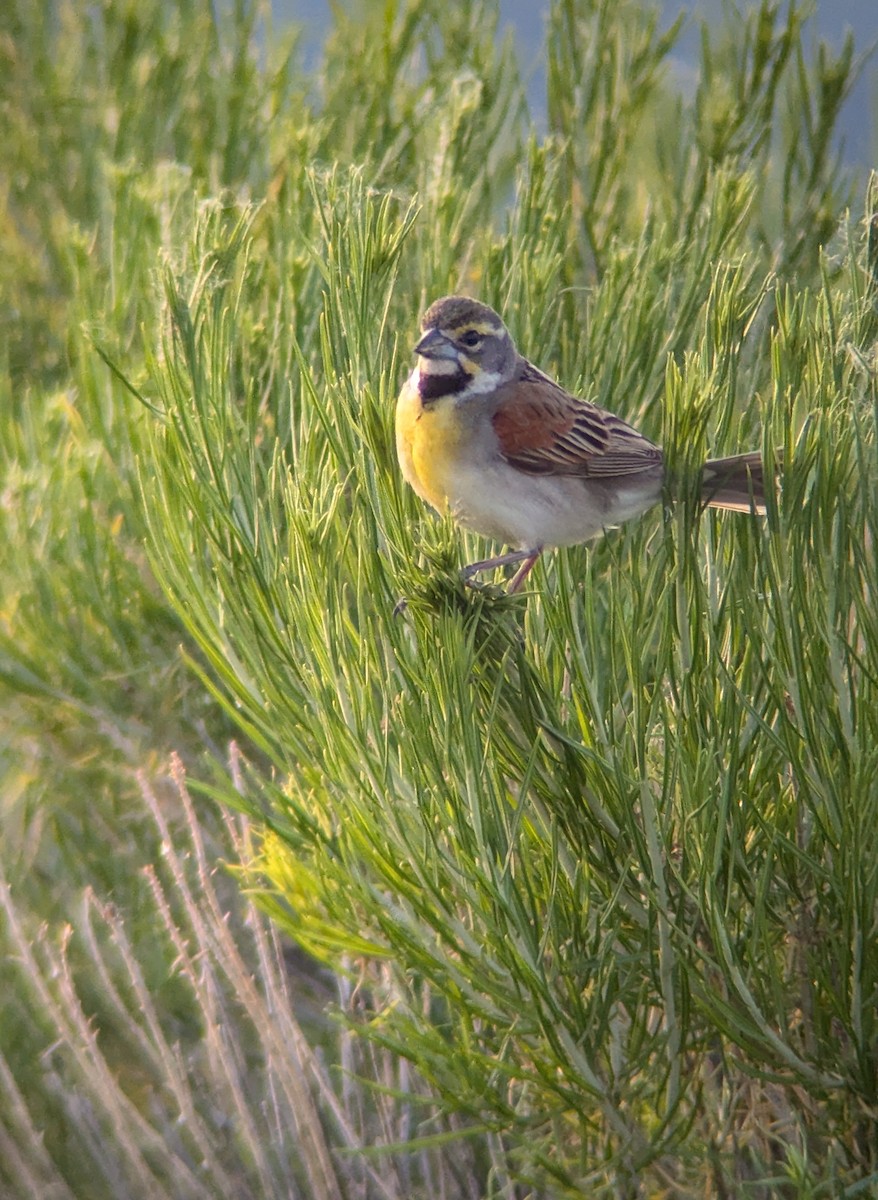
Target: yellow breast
[428,443]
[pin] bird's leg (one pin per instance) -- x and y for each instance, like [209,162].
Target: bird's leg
[488,564]
[524,570]
[527,558]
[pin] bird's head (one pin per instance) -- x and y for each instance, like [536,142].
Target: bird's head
[465,349]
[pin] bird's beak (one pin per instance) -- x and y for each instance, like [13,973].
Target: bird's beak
[435,345]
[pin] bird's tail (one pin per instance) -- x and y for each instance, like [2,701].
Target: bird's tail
[737,483]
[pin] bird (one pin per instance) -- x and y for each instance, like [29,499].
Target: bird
[483,434]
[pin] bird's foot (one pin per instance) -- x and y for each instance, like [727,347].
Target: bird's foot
[527,558]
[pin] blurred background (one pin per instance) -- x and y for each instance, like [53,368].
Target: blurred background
[831,21]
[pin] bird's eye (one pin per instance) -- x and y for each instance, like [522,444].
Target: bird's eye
[471,338]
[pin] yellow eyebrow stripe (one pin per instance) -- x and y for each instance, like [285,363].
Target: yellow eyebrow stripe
[485,328]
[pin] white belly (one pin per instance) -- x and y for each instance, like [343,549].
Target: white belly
[527,511]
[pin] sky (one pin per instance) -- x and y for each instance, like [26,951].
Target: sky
[832,18]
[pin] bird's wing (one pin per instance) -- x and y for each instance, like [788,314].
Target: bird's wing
[543,430]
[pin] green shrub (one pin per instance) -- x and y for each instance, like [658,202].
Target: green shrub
[595,863]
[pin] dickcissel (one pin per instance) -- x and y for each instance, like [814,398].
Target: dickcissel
[483,434]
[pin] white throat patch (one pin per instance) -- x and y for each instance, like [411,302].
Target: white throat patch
[437,366]
[487,381]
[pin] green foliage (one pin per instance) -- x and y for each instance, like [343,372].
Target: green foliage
[598,859]
[612,832]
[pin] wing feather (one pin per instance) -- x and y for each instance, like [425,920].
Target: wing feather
[543,430]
